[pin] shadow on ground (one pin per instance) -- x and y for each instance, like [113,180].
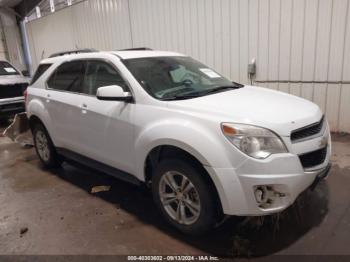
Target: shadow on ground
[239,237]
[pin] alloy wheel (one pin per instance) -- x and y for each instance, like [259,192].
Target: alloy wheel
[179,197]
[42,145]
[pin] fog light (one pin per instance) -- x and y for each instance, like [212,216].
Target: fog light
[261,194]
[266,195]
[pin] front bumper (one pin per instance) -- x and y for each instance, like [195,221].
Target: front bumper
[281,174]
[237,192]
[11,107]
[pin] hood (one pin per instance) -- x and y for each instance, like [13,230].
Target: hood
[258,106]
[13,79]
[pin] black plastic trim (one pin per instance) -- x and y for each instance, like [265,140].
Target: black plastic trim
[323,174]
[137,49]
[77,51]
[127,99]
[75,157]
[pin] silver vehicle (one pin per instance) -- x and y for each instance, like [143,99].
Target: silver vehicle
[12,86]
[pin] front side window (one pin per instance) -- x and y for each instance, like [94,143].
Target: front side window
[177,77]
[68,77]
[7,69]
[100,74]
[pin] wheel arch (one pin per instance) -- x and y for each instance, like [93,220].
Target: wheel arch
[33,120]
[159,152]
[38,113]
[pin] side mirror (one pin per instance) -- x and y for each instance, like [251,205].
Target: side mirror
[113,93]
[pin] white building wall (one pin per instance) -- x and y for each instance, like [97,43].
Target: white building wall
[10,43]
[100,24]
[3,49]
[303,41]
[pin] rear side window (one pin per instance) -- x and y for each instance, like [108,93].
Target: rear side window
[100,74]
[68,77]
[40,70]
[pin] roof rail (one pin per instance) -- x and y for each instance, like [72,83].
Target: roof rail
[77,51]
[136,49]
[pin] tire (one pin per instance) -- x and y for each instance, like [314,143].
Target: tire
[44,147]
[193,209]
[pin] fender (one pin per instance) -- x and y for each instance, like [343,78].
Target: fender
[36,108]
[197,140]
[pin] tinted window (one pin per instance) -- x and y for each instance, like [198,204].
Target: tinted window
[100,74]
[41,70]
[68,77]
[7,69]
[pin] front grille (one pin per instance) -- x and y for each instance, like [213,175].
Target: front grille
[313,158]
[9,91]
[307,131]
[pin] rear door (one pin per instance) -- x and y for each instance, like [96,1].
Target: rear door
[64,102]
[106,127]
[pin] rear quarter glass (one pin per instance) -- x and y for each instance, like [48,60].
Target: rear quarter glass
[39,72]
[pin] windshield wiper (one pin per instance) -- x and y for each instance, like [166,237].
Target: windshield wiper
[182,97]
[238,85]
[221,88]
[204,93]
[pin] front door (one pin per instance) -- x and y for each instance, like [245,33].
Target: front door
[107,130]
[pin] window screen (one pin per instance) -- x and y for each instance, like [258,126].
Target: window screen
[101,74]
[40,70]
[68,77]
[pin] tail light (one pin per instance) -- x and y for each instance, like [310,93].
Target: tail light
[25,94]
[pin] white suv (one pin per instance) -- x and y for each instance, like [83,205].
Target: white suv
[206,146]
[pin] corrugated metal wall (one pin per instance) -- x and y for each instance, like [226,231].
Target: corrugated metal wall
[103,24]
[292,40]
[10,43]
[3,49]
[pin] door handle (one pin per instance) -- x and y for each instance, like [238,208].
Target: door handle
[48,96]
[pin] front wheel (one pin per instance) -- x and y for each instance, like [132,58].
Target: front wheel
[184,196]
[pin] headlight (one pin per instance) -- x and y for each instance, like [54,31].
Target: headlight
[254,141]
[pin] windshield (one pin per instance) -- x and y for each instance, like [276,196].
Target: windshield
[176,77]
[7,69]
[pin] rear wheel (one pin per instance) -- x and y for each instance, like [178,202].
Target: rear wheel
[184,196]
[45,148]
